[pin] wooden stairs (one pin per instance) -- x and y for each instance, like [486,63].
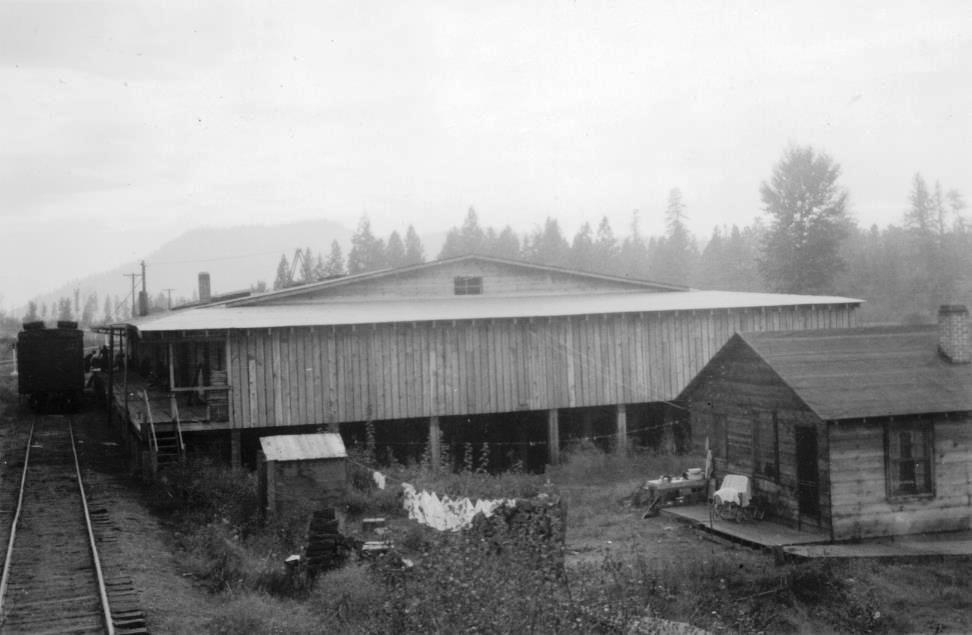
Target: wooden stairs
[165,439]
[168,445]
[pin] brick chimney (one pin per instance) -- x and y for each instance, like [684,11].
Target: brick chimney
[205,295]
[954,342]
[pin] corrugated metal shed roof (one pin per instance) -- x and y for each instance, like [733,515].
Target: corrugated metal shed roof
[302,447]
[468,308]
[867,372]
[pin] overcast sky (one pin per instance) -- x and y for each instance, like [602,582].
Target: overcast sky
[126,123]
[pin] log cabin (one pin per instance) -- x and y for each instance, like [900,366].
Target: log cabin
[858,432]
[518,352]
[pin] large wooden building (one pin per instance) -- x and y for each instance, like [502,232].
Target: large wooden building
[520,350]
[859,432]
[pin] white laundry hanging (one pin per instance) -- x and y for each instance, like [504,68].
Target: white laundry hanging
[446,514]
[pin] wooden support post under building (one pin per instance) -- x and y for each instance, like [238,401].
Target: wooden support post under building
[622,429]
[553,437]
[236,452]
[435,442]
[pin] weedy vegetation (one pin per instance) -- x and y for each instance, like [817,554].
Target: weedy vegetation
[513,580]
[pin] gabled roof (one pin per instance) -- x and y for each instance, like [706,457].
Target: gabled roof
[468,308]
[303,447]
[331,283]
[863,372]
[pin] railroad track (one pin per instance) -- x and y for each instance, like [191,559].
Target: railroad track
[52,578]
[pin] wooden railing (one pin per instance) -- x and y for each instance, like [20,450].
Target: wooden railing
[178,427]
[153,440]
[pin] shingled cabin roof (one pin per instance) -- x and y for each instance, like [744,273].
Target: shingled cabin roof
[866,372]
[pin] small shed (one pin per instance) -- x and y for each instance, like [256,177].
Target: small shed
[302,471]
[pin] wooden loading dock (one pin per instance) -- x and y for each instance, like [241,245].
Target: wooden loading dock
[464,337]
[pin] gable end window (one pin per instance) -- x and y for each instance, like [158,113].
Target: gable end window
[468,285]
[909,452]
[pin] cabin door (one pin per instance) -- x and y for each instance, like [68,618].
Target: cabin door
[808,476]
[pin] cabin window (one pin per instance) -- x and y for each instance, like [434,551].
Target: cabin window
[909,448]
[468,285]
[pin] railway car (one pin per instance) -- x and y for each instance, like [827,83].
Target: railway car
[50,366]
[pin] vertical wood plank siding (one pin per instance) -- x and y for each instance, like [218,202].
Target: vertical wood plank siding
[299,376]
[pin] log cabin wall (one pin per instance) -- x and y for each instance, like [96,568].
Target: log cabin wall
[861,505]
[311,375]
[751,418]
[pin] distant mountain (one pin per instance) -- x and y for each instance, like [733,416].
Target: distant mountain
[236,258]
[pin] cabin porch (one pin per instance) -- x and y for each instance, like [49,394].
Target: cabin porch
[765,534]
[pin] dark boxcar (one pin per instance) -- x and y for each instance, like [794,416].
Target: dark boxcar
[50,365]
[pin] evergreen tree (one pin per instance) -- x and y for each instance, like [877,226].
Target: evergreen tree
[935,228]
[367,252]
[64,309]
[634,256]
[123,310]
[307,266]
[109,316]
[471,235]
[43,310]
[414,252]
[711,271]
[507,244]
[395,251]
[452,246]
[31,315]
[582,249]
[468,239]
[548,246]
[319,271]
[607,252]
[920,215]
[283,280]
[678,254]
[90,307]
[808,221]
[741,259]
[334,265]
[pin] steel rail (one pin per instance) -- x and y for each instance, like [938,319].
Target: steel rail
[102,591]
[13,525]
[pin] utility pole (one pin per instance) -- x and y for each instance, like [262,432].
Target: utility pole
[169,291]
[143,296]
[140,300]
[132,276]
